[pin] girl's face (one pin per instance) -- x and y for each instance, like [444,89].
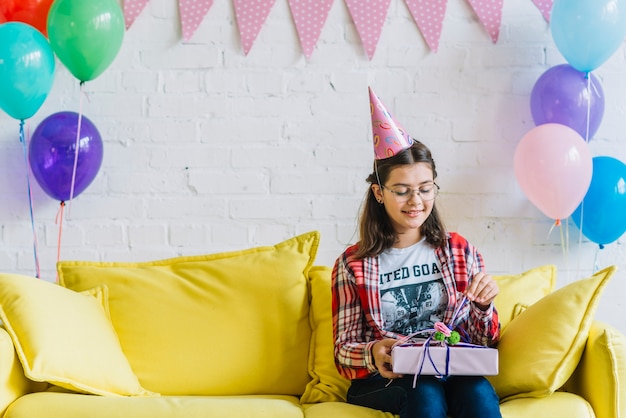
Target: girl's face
[407,209]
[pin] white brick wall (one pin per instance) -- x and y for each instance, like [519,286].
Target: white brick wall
[209,150]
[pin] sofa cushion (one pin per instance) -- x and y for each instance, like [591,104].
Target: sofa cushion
[326,383]
[68,405]
[601,372]
[540,348]
[65,338]
[231,323]
[519,291]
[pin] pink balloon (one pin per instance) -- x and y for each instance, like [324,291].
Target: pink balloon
[553,166]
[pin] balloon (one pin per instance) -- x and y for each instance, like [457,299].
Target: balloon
[86,35]
[588,32]
[553,167]
[33,12]
[603,210]
[52,152]
[567,96]
[26,69]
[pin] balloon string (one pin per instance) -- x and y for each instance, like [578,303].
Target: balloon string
[59,221]
[30,201]
[565,245]
[80,117]
[588,106]
[580,235]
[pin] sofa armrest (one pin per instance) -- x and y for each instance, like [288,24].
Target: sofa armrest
[13,383]
[601,374]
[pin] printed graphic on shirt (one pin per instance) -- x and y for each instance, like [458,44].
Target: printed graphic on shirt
[412,308]
[412,292]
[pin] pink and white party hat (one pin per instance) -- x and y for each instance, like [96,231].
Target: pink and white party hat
[389,137]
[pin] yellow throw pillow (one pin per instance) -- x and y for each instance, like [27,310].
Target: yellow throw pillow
[327,385]
[219,324]
[540,349]
[519,291]
[65,338]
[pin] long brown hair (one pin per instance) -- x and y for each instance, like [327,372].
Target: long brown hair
[375,228]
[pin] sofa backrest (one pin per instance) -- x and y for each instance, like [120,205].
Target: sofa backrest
[234,323]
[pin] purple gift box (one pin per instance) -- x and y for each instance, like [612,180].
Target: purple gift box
[444,360]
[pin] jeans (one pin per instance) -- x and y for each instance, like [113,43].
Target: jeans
[455,396]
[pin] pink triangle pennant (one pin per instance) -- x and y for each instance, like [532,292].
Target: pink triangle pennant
[368,17]
[489,13]
[545,7]
[428,16]
[132,9]
[251,15]
[309,17]
[191,14]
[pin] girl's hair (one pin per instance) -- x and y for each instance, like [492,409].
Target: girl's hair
[375,228]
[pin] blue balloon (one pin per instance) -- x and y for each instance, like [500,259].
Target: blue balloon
[588,32]
[26,69]
[603,209]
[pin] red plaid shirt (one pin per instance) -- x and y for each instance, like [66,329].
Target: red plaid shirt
[357,316]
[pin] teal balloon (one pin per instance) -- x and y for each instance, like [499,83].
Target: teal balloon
[588,32]
[86,35]
[26,69]
[603,209]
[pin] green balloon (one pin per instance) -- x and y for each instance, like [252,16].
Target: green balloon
[86,35]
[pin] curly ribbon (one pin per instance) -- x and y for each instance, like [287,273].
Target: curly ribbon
[30,200]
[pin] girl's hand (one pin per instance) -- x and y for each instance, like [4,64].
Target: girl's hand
[482,290]
[381,351]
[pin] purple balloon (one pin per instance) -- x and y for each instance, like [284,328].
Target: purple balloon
[567,96]
[52,152]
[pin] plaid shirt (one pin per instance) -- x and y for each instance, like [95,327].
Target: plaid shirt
[357,316]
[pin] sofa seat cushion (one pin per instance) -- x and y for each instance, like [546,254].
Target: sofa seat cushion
[234,323]
[71,405]
[343,410]
[559,404]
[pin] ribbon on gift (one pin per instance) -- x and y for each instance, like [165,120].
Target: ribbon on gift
[440,335]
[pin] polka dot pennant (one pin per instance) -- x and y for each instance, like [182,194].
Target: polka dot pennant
[132,9]
[545,6]
[309,17]
[191,14]
[489,13]
[428,15]
[368,17]
[251,15]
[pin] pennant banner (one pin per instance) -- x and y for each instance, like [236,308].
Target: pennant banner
[369,18]
[489,13]
[428,16]
[251,15]
[545,6]
[191,14]
[132,9]
[309,17]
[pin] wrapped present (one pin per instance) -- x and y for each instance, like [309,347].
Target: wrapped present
[441,359]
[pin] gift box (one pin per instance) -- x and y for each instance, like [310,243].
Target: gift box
[445,360]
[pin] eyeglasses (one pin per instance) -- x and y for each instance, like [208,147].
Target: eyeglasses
[403,194]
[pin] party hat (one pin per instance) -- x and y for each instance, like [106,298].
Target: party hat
[389,137]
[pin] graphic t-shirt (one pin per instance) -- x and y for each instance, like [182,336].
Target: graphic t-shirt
[412,293]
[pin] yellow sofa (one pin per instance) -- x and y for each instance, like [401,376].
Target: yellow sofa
[249,334]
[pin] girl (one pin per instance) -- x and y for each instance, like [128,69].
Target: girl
[405,274]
